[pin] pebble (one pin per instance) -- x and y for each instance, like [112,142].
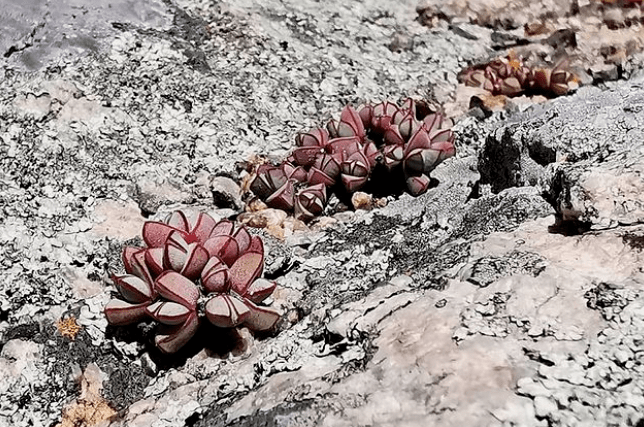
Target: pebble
[544,406]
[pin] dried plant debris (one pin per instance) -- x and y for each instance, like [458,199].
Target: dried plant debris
[90,409]
[190,271]
[376,148]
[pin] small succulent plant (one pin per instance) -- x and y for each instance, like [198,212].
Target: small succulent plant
[384,137]
[190,271]
[511,77]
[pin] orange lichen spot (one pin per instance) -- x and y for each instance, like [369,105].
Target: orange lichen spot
[514,60]
[68,327]
[515,63]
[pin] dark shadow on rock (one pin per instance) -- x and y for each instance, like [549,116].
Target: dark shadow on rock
[570,227]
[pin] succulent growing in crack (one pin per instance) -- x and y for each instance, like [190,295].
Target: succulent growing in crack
[511,77]
[346,154]
[190,271]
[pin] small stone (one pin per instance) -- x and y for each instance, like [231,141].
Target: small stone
[346,216]
[256,205]
[263,219]
[148,365]
[614,18]
[486,309]
[151,194]
[460,334]
[361,200]
[544,406]
[535,331]
[604,72]
[398,238]
[225,192]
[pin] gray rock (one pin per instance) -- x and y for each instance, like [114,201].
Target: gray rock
[225,193]
[469,305]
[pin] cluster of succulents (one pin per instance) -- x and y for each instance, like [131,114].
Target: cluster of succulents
[190,271]
[385,138]
[511,77]
[622,2]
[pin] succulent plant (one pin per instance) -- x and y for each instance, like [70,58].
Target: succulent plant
[344,156]
[511,77]
[190,271]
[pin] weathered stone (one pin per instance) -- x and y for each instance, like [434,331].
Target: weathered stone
[225,192]
[508,294]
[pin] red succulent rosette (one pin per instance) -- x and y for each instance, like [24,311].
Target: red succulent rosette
[184,263]
[346,153]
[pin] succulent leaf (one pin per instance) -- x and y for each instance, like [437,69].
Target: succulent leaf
[393,155]
[214,276]
[297,173]
[420,161]
[351,123]
[175,287]
[316,176]
[224,247]
[259,290]
[313,138]
[178,335]
[305,156]
[119,312]
[341,148]
[133,288]
[203,227]
[179,221]
[185,258]
[242,236]
[226,311]
[247,268]
[371,153]
[134,262]
[327,165]
[168,312]
[256,245]
[353,183]
[310,201]
[366,114]
[156,233]
[223,227]
[283,197]
[407,127]
[260,318]
[417,185]
[154,260]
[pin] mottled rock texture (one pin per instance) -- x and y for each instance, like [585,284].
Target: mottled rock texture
[510,294]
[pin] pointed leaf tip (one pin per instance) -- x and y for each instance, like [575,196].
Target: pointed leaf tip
[226,311]
[260,318]
[203,227]
[168,312]
[133,288]
[259,290]
[156,233]
[178,336]
[120,312]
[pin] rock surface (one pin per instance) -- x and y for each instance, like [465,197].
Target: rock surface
[510,294]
